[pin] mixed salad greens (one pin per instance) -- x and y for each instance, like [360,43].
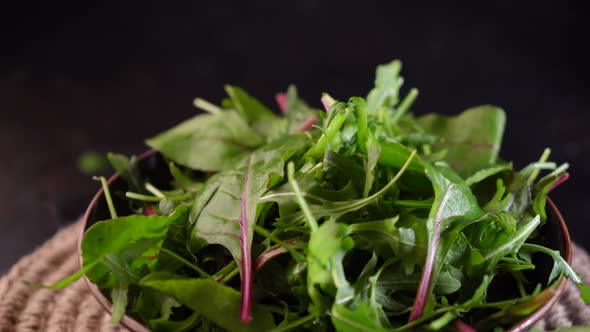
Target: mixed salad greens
[358,217]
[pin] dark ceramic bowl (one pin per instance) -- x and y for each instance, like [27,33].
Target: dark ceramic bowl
[554,234]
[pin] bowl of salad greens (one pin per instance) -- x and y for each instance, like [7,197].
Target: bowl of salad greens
[358,216]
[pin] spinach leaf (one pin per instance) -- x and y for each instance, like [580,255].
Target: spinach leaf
[131,235]
[114,247]
[395,155]
[259,118]
[472,139]
[184,180]
[208,142]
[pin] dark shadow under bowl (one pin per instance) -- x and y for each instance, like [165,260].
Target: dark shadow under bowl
[554,234]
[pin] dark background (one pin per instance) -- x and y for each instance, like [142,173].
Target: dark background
[79,76]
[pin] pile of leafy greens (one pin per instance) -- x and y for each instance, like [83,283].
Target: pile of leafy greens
[359,217]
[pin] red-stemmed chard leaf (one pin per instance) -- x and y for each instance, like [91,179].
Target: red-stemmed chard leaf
[561,180]
[225,211]
[277,250]
[307,124]
[300,116]
[149,210]
[453,204]
[267,256]
[461,326]
[477,146]
[327,102]
[246,267]
[281,99]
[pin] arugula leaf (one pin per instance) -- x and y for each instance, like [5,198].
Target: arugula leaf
[366,142]
[486,173]
[373,153]
[560,267]
[67,280]
[338,117]
[512,244]
[326,249]
[123,277]
[128,169]
[340,170]
[361,319]
[222,304]
[338,209]
[387,85]
[152,305]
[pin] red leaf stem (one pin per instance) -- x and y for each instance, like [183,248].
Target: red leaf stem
[246,282]
[281,99]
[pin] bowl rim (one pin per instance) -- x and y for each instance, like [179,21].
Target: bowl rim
[130,323]
[528,322]
[127,321]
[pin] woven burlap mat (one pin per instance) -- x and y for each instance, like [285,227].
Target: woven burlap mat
[24,308]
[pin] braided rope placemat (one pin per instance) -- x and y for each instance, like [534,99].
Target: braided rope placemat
[25,308]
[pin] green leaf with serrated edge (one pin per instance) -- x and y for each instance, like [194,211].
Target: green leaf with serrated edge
[560,266]
[486,173]
[337,209]
[326,248]
[385,94]
[361,319]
